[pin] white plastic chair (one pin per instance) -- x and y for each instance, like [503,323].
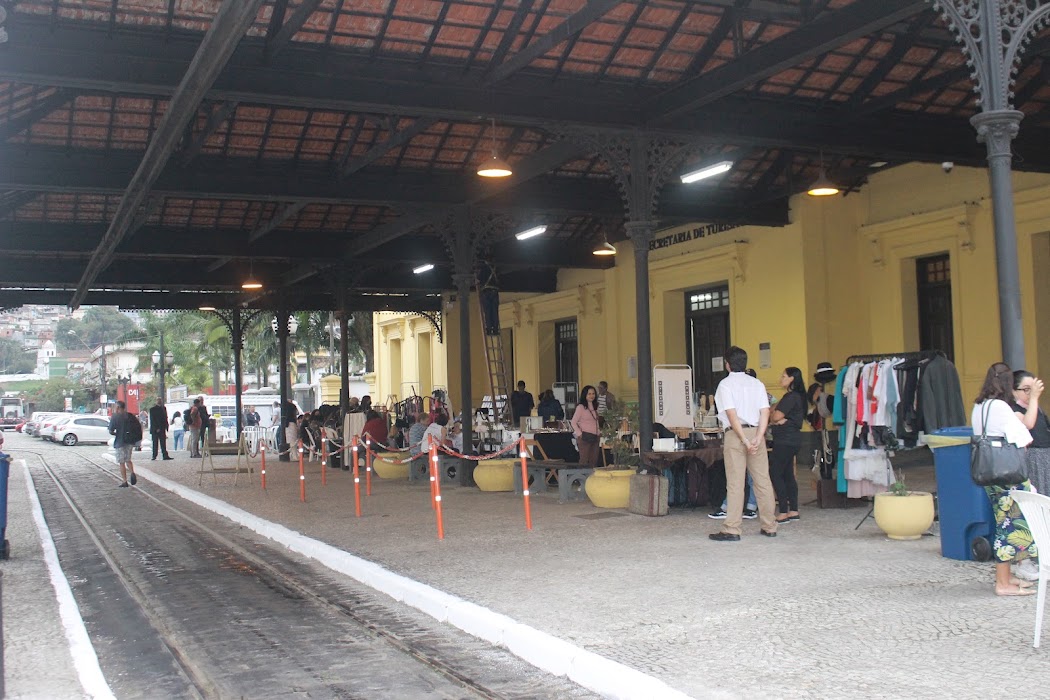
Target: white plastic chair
[1036,510]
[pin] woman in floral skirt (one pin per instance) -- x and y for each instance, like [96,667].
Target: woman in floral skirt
[1013,540]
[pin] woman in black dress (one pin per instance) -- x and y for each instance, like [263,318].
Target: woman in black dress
[785,422]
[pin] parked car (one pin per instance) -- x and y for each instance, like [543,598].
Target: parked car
[78,429]
[46,431]
[33,426]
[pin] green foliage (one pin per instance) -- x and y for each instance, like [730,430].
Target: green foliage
[100,323]
[623,454]
[897,488]
[51,395]
[14,359]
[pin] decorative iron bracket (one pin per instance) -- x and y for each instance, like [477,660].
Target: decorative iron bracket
[639,163]
[226,316]
[994,34]
[436,319]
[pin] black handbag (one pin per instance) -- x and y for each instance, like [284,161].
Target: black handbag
[994,460]
[589,438]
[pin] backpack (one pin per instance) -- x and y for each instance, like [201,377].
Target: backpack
[132,430]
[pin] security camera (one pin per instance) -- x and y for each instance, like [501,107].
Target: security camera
[947,166]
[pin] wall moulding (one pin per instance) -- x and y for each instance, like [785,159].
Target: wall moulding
[958,223]
[726,260]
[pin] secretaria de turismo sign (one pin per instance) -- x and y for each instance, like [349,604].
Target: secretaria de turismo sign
[689,235]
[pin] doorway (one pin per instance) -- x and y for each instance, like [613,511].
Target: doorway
[707,321]
[566,352]
[933,276]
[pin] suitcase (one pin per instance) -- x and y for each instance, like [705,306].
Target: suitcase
[648,495]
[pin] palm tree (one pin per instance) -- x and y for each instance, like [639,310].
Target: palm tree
[311,336]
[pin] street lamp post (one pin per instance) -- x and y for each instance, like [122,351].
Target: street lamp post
[159,359]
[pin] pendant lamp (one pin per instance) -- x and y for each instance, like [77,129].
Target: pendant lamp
[605,248]
[251,283]
[494,167]
[822,186]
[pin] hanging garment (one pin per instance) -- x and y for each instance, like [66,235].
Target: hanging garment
[941,396]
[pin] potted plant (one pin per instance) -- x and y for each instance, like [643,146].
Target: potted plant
[609,487]
[903,514]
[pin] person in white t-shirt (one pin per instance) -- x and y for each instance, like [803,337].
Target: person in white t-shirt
[1013,542]
[743,411]
[436,432]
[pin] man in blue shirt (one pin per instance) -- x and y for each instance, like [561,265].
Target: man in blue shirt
[127,432]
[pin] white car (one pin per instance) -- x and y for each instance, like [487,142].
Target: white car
[78,429]
[46,430]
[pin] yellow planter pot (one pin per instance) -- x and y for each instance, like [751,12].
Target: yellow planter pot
[609,488]
[904,517]
[496,474]
[388,470]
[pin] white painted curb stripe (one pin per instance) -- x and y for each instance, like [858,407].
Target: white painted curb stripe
[610,678]
[84,659]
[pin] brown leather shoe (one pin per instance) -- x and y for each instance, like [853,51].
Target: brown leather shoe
[724,537]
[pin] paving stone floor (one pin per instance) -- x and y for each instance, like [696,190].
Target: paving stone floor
[822,611]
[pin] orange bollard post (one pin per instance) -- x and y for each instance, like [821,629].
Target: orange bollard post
[324,461]
[262,454]
[436,489]
[525,483]
[302,475]
[368,467]
[431,452]
[357,480]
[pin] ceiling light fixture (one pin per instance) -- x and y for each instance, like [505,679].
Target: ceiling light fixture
[251,283]
[605,248]
[531,232]
[422,268]
[495,167]
[878,164]
[708,171]
[822,187]
[206,308]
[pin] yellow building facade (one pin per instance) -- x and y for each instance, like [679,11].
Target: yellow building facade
[409,357]
[847,276]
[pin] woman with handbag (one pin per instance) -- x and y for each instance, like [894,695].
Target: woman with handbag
[585,427]
[993,417]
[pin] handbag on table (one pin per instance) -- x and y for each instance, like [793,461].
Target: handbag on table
[994,460]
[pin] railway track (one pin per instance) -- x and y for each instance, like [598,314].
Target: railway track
[230,615]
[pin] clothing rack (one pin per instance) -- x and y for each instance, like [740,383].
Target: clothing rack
[915,356]
[907,358]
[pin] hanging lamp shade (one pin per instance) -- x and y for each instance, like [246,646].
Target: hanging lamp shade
[495,167]
[822,186]
[605,248]
[251,283]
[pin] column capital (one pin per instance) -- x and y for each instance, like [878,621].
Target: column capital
[462,280]
[640,233]
[996,129]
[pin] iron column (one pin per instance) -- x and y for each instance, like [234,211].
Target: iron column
[641,233]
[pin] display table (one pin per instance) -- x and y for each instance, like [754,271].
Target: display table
[695,477]
[556,446]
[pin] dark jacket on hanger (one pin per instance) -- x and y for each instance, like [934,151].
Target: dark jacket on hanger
[940,396]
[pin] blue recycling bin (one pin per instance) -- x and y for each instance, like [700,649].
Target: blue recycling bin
[966,518]
[5,470]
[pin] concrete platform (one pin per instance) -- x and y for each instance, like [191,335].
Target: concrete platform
[822,611]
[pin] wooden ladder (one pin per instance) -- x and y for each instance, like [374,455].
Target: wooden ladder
[496,363]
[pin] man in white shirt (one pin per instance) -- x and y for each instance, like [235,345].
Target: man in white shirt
[743,411]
